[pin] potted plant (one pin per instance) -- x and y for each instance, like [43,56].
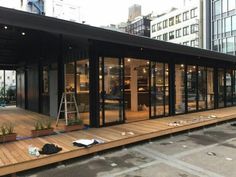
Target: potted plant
[7,133]
[74,124]
[42,128]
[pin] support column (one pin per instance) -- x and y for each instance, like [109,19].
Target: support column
[134,88]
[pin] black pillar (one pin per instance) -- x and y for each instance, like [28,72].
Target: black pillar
[94,107]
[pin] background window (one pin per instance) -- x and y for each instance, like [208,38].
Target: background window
[193,13]
[165,23]
[185,16]
[194,28]
[153,28]
[171,35]
[178,33]
[171,21]
[178,19]
[165,37]
[217,8]
[185,31]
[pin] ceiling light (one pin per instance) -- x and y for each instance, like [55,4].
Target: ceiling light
[182,65]
[5,27]
[128,60]
[23,33]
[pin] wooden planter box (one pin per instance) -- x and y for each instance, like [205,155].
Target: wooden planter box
[70,128]
[36,133]
[8,138]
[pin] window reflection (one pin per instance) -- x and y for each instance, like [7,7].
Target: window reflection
[179,89]
[202,87]
[221,91]
[210,88]
[191,87]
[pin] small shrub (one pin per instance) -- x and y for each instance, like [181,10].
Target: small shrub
[7,129]
[75,121]
[48,124]
[43,125]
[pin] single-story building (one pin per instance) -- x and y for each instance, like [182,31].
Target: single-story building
[115,77]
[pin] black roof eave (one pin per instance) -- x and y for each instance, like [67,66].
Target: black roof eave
[53,25]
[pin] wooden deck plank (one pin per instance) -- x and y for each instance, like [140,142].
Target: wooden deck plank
[13,161]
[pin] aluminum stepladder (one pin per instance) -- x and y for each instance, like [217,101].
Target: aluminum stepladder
[70,102]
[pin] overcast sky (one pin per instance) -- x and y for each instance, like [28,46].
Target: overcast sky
[105,12]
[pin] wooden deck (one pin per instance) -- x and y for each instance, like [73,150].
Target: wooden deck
[14,156]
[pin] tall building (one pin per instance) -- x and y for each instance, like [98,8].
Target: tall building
[134,11]
[188,25]
[223,38]
[63,9]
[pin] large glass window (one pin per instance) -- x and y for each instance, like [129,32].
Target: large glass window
[70,77]
[225,5]
[227,24]
[228,77]
[233,23]
[192,87]
[179,89]
[202,87]
[232,4]
[77,81]
[221,88]
[82,88]
[217,7]
[230,45]
[210,88]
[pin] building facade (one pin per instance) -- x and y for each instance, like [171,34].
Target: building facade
[187,26]
[140,26]
[115,77]
[62,9]
[223,38]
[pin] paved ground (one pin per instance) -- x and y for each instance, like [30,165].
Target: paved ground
[208,152]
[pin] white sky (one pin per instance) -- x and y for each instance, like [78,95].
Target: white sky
[105,12]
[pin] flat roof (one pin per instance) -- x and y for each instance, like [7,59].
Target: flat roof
[52,25]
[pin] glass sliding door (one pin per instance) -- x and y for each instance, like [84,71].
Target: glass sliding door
[192,88]
[180,89]
[210,88]
[137,88]
[202,87]
[159,89]
[229,96]
[111,91]
[221,88]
